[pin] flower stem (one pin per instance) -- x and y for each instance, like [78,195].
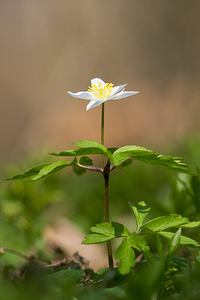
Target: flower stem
[102,130]
[102,124]
[107,219]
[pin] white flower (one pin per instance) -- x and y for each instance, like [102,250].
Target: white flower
[100,92]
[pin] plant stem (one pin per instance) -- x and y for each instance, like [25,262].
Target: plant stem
[90,168]
[102,130]
[106,173]
[107,219]
[102,124]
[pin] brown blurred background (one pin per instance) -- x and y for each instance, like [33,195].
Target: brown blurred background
[48,47]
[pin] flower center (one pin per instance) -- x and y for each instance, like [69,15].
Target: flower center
[100,91]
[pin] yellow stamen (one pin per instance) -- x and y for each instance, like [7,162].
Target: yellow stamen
[98,91]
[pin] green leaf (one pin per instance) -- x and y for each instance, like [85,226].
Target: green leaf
[127,256]
[96,238]
[92,146]
[125,164]
[78,170]
[33,171]
[126,152]
[85,161]
[137,242]
[184,240]
[112,228]
[181,262]
[52,168]
[72,152]
[85,148]
[104,232]
[140,210]
[162,223]
[173,245]
[112,150]
[191,225]
[150,157]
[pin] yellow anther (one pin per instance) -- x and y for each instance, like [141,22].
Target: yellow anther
[100,91]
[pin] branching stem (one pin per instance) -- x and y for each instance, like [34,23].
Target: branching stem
[95,169]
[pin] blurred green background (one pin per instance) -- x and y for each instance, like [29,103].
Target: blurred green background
[50,47]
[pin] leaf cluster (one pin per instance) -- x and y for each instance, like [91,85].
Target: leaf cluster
[118,157]
[136,241]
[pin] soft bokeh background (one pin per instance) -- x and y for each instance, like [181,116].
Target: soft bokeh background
[48,47]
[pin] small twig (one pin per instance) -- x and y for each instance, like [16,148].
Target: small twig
[95,169]
[29,258]
[57,264]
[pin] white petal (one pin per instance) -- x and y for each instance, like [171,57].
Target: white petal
[93,104]
[96,81]
[82,95]
[123,94]
[116,89]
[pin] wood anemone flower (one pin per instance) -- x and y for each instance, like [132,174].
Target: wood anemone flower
[100,92]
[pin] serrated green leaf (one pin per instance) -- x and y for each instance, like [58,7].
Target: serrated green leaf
[106,231]
[72,152]
[150,157]
[140,210]
[85,148]
[164,222]
[191,225]
[79,152]
[85,161]
[33,171]
[85,144]
[112,228]
[96,238]
[127,256]
[52,168]
[137,242]
[184,240]
[78,170]
[126,152]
